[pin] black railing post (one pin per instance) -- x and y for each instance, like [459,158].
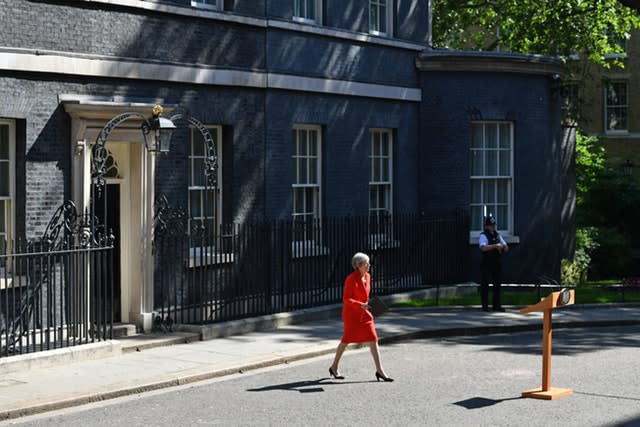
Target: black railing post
[268,264]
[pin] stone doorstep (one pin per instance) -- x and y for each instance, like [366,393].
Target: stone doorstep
[124,330]
[59,356]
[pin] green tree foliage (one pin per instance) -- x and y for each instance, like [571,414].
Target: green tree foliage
[574,272]
[613,200]
[612,205]
[590,28]
[590,160]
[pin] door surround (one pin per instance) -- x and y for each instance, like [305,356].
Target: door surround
[136,178]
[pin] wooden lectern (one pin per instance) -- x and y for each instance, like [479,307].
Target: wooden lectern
[553,300]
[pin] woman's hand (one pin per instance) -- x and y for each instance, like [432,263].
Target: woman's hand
[365,306]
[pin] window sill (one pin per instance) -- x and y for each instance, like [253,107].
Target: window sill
[382,242]
[13,283]
[307,249]
[204,6]
[509,238]
[622,132]
[210,257]
[378,34]
[301,20]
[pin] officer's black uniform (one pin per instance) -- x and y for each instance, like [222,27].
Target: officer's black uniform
[491,269]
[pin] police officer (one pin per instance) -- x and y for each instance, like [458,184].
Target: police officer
[492,246]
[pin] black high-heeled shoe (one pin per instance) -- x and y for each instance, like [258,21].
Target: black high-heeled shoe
[380,377]
[334,375]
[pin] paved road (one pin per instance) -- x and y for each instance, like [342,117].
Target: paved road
[456,381]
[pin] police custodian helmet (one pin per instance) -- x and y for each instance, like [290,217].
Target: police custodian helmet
[489,220]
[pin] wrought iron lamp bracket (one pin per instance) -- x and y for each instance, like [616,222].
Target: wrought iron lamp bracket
[100,153]
[211,159]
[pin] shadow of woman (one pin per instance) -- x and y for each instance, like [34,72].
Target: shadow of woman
[308,386]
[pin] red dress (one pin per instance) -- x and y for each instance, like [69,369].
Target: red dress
[358,323]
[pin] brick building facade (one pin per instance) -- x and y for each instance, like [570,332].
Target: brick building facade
[328,88]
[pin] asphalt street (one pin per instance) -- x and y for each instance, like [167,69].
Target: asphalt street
[454,381]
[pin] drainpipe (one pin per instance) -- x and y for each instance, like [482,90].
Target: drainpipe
[264,113]
[430,23]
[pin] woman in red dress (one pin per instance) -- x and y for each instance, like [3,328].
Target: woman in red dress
[357,319]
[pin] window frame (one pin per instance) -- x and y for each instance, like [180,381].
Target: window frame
[201,5]
[9,204]
[388,18]
[312,243]
[607,106]
[317,10]
[9,218]
[387,184]
[216,133]
[474,233]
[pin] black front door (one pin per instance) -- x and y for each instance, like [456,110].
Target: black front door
[108,213]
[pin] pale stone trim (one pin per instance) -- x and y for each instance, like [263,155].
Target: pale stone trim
[343,87]
[492,62]
[344,34]
[103,66]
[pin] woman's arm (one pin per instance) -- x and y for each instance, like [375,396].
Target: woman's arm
[348,292]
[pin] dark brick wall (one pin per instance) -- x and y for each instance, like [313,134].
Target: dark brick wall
[282,9]
[353,15]
[290,52]
[345,126]
[45,160]
[410,21]
[138,34]
[254,7]
[130,32]
[410,16]
[241,114]
[102,29]
[42,151]
[568,218]
[451,102]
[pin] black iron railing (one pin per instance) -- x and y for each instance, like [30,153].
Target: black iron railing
[260,268]
[56,291]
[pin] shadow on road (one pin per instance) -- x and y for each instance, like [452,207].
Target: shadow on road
[631,422]
[482,402]
[309,386]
